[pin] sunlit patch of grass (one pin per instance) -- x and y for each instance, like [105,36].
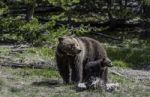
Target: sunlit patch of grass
[121,64]
[37,72]
[46,73]
[35,54]
[128,57]
[119,79]
[44,52]
[4,51]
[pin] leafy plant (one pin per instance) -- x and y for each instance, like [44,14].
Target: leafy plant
[128,57]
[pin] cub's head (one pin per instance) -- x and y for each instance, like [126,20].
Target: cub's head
[69,45]
[107,62]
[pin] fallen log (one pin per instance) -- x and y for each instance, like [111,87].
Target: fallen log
[39,65]
[106,36]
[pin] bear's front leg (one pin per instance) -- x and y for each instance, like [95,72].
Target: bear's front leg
[77,72]
[64,70]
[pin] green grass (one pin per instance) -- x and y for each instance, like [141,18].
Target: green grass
[4,51]
[128,57]
[1,82]
[32,54]
[121,64]
[122,80]
[36,72]
[44,52]
[148,83]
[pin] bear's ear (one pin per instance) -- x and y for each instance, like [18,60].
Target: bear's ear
[60,39]
[71,33]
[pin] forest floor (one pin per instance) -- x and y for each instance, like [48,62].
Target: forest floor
[31,82]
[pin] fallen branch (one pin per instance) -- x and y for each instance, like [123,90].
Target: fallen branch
[40,65]
[106,36]
[116,73]
[119,74]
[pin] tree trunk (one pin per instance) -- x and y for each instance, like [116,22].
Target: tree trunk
[30,11]
[109,4]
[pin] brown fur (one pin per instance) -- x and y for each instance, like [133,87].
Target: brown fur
[93,67]
[73,54]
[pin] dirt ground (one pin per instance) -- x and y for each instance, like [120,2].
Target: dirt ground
[20,82]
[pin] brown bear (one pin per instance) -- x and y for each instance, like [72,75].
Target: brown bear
[73,54]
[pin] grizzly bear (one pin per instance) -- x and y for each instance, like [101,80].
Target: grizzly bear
[73,55]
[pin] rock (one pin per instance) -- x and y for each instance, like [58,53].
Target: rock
[112,87]
[93,82]
[82,86]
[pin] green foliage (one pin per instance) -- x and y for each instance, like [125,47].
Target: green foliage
[128,57]
[81,31]
[63,2]
[147,2]
[23,30]
[10,24]
[27,1]
[33,31]
[121,64]
[44,52]
[53,34]
[121,14]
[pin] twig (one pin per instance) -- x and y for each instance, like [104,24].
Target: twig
[30,65]
[118,74]
[107,36]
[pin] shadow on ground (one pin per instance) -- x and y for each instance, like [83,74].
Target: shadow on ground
[48,83]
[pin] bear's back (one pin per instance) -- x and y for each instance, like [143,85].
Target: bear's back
[94,50]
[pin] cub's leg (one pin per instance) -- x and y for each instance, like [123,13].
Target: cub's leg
[91,68]
[97,69]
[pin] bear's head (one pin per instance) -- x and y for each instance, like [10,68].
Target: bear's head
[69,45]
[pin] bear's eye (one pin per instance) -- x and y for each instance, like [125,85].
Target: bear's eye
[72,45]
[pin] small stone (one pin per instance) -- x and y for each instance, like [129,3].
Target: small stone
[112,86]
[82,86]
